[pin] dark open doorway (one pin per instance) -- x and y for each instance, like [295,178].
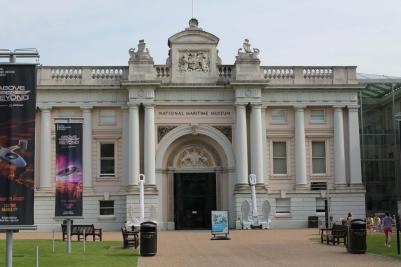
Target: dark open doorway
[194,199]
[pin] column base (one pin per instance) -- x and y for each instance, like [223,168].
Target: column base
[44,192]
[302,188]
[151,189]
[261,188]
[341,186]
[242,188]
[45,189]
[246,188]
[133,189]
[88,190]
[359,186]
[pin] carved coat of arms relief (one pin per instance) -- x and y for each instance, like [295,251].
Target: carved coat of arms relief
[194,61]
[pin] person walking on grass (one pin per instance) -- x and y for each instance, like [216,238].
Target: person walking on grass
[388,229]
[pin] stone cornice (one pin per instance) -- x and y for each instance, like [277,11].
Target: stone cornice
[251,83]
[314,87]
[133,84]
[193,85]
[78,87]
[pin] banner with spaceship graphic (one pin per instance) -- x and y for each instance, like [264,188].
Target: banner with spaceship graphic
[17,143]
[69,169]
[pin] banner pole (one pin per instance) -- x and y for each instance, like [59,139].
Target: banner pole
[9,248]
[68,236]
[53,240]
[84,241]
[142,196]
[37,257]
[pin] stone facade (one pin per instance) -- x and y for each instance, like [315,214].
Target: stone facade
[195,114]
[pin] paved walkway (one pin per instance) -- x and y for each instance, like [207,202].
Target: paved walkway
[255,248]
[249,248]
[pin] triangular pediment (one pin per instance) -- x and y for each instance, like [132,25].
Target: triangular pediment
[193,36]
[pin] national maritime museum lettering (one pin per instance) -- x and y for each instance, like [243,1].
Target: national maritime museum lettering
[196,129]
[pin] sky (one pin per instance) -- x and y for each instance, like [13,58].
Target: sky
[363,33]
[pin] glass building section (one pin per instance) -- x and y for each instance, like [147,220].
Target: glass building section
[380,116]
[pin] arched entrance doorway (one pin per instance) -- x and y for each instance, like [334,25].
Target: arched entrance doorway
[195,185]
[195,175]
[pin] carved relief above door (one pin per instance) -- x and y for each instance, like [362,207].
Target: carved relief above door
[194,157]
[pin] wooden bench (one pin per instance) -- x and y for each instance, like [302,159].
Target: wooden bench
[335,235]
[79,230]
[130,238]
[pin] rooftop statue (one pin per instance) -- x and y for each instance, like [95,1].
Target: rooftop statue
[142,55]
[247,46]
[246,53]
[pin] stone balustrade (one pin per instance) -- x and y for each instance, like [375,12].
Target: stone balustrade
[81,75]
[113,75]
[278,72]
[309,74]
[107,73]
[226,71]
[318,72]
[162,71]
[66,73]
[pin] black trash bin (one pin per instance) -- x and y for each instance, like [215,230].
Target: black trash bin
[356,242]
[313,221]
[148,239]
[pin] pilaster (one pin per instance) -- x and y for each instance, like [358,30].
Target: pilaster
[149,153]
[241,144]
[300,151]
[133,146]
[87,147]
[339,154]
[354,146]
[257,143]
[45,149]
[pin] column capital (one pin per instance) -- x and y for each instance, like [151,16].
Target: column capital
[353,108]
[299,107]
[256,106]
[148,105]
[131,105]
[45,108]
[86,108]
[338,107]
[240,105]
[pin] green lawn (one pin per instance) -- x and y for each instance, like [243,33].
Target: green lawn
[98,254]
[376,245]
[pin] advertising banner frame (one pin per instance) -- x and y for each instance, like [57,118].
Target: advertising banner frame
[69,166]
[220,225]
[15,95]
[18,84]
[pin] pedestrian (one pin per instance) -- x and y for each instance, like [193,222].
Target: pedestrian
[388,229]
[376,224]
[370,224]
[349,217]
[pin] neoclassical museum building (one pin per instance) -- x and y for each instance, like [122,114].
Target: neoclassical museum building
[196,129]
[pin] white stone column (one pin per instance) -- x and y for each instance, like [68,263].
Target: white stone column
[354,146]
[133,145]
[45,149]
[257,143]
[125,148]
[264,149]
[300,152]
[241,145]
[87,147]
[149,148]
[339,154]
